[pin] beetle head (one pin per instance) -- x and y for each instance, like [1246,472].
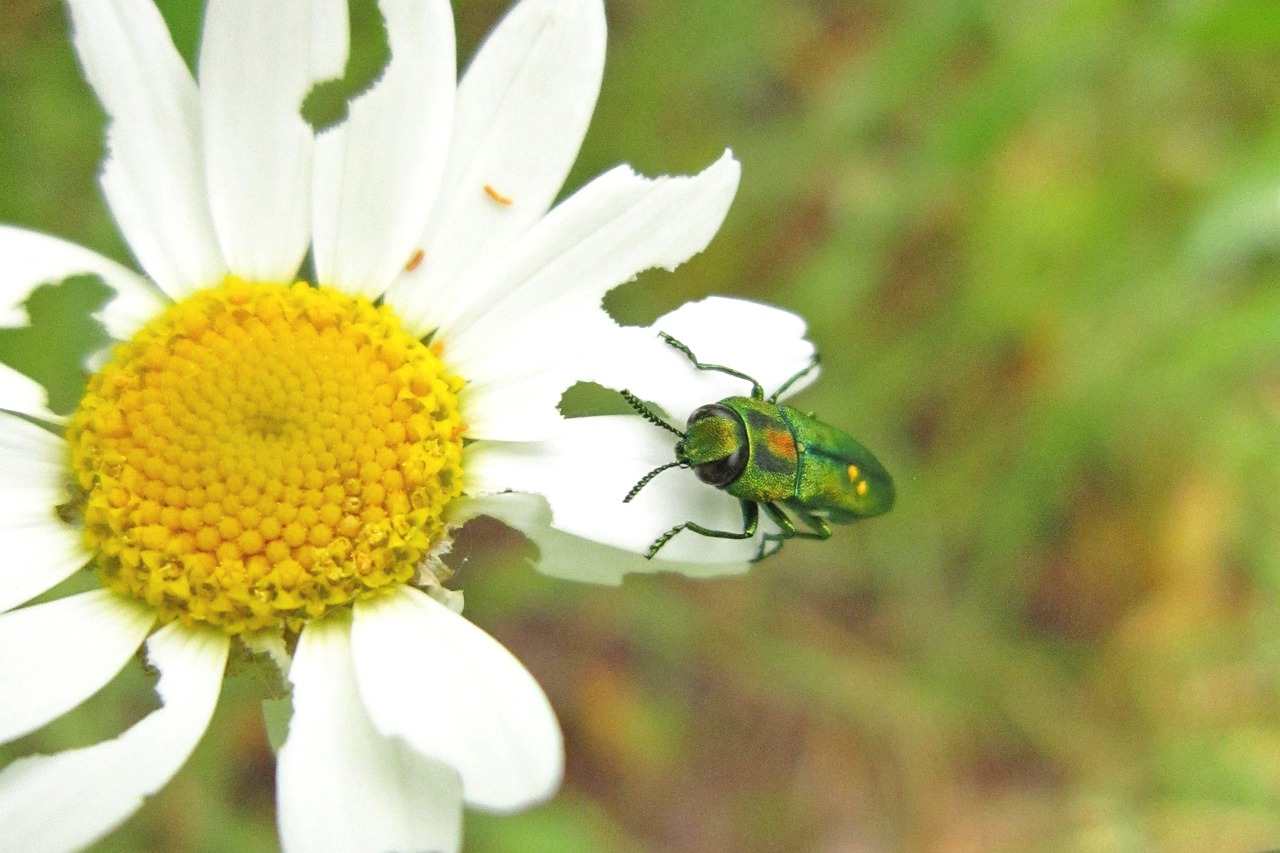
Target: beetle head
[714,445]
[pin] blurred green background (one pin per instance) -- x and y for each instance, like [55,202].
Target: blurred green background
[1038,244]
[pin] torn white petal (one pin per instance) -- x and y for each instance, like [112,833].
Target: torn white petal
[32,259]
[376,174]
[522,111]
[69,800]
[153,175]
[456,695]
[605,234]
[340,784]
[766,343]
[258,62]
[60,653]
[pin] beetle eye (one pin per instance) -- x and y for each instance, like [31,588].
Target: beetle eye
[721,472]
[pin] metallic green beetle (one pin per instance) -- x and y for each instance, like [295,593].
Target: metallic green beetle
[770,455]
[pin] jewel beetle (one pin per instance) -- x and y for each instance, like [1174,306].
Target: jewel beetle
[773,457]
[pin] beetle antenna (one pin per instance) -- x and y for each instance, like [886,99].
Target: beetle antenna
[644,481]
[647,413]
[795,378]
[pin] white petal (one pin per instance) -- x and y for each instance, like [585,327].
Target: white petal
[612,229]
[547,328]
[154,171]
[40,551]
[258,62]
[523,109]
[377,173]
[759,340]
[21,393]
[31,458]
[589,467]
[340,784]
[60,653]
[764,342]
[456,695]
[546,317]
[69,800]
[573,558]
[32,259]
[521,403]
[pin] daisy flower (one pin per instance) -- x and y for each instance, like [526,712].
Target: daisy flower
[268,465]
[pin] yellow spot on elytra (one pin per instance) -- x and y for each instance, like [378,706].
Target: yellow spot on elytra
[260,454]
[415,261]
[497,196]
[853,473]
[861,488]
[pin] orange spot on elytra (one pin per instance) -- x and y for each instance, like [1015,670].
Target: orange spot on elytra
[497,196]
[780,443]
[415,261]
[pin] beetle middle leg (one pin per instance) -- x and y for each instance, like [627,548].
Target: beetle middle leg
[818,528]
[750,522]
[800,373]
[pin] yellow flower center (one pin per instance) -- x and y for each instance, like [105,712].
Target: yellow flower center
[260,454]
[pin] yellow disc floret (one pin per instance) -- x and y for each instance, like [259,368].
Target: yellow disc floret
[260,454]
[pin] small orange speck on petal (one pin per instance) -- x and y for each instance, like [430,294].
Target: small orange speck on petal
[497,196]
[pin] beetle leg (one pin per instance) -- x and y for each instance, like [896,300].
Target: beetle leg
[785,385]
[818,528]
[788,530]
[750,521]
[757,391]
[764,546]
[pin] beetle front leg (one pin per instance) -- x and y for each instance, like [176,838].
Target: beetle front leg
[757,391]
[750,522]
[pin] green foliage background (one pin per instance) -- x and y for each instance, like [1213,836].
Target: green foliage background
[1037,243]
